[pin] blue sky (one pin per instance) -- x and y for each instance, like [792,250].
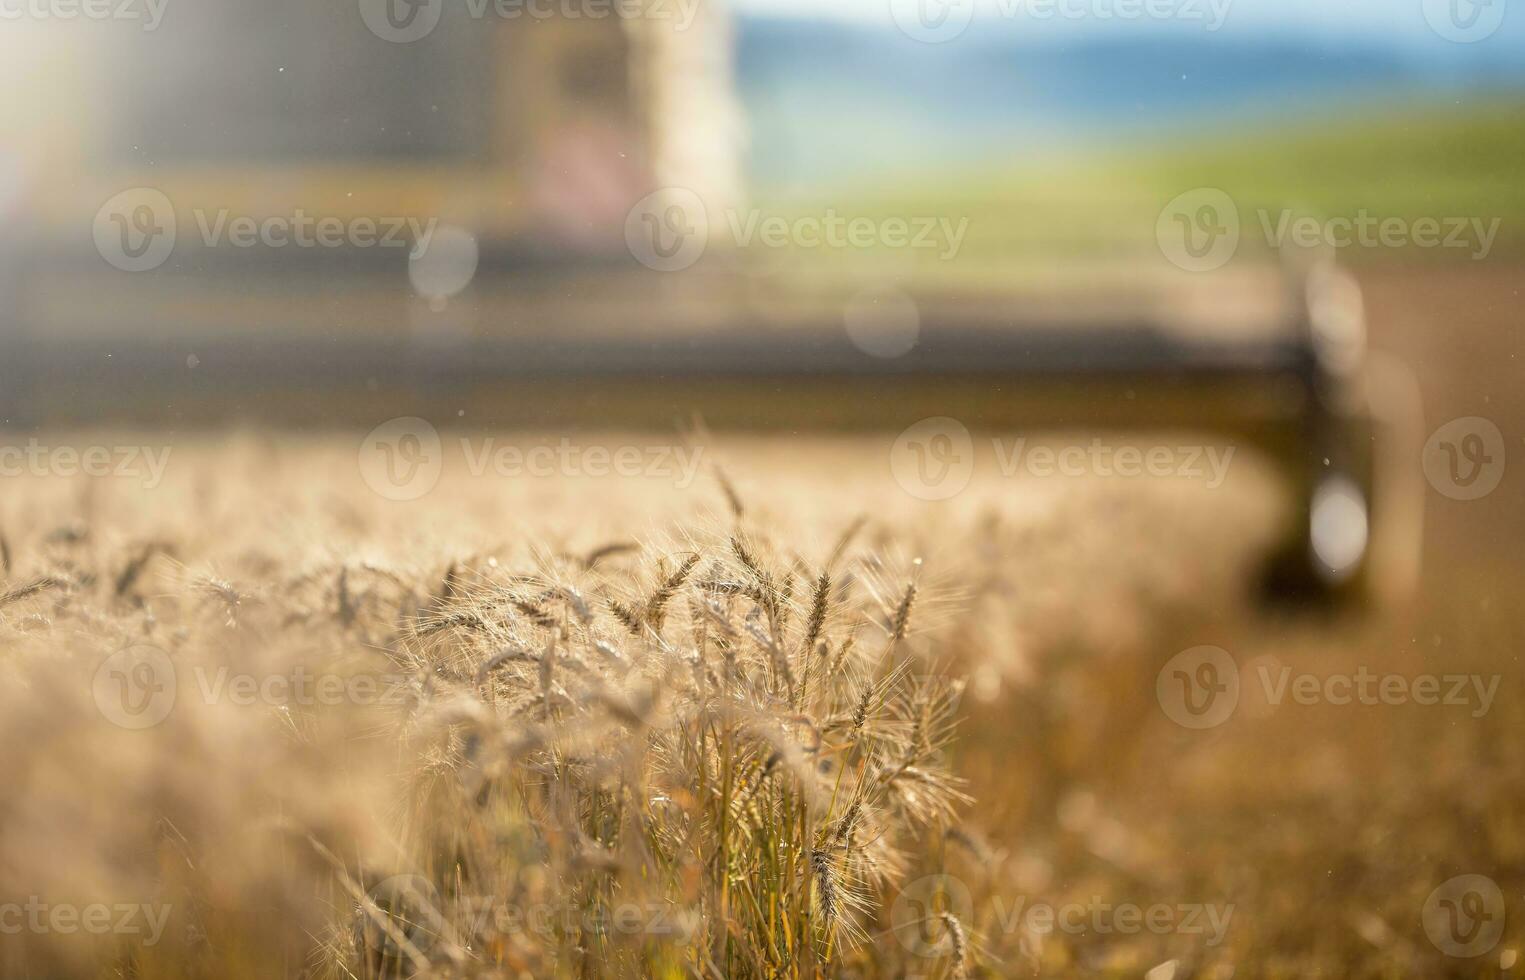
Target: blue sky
[1381,21]
[823,104]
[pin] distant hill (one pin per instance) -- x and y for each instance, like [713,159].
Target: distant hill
[831,100]
[1071,221]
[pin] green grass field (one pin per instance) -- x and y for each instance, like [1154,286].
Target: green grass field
[1062,219]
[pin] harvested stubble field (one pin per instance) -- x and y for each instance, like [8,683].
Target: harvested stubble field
[787,721]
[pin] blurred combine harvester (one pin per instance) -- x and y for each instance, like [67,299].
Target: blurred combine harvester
[167,192]
[507,136]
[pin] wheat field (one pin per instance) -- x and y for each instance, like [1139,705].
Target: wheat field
[783,719]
